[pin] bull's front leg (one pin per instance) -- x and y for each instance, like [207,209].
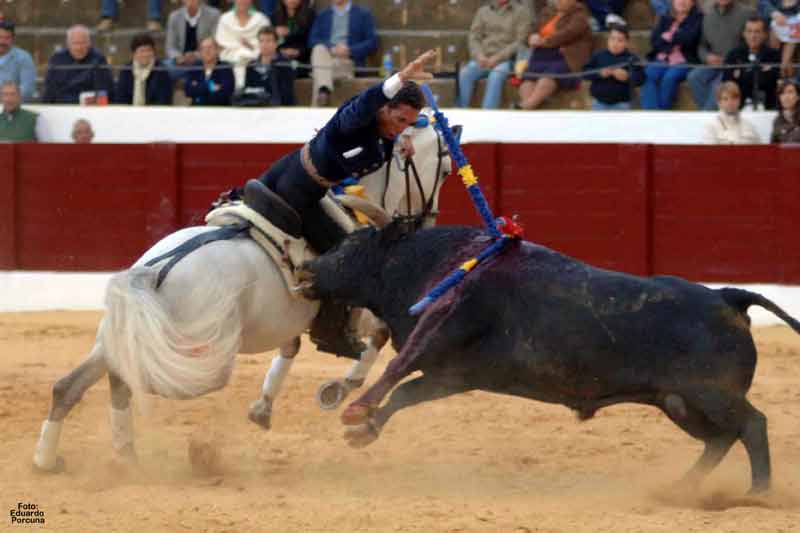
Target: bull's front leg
[261,409]
[419,343]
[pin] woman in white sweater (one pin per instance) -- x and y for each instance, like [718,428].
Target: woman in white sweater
[237,34]
[728,127]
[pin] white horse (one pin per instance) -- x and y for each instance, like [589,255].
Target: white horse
[180,339]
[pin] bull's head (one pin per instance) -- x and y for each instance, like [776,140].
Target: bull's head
[351,271]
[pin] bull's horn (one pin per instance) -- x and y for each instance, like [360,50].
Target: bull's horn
[375,213]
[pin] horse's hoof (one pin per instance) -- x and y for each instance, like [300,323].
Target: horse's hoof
[330,395]
[361,436]
[262,419]
[57,467]
[355,414]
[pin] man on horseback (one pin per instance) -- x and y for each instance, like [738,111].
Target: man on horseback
[357,140]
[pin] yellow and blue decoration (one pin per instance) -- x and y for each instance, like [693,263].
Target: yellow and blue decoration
[502,229]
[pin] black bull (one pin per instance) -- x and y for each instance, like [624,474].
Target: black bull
[538,324]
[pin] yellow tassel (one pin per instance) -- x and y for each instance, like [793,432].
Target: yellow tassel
[467,176]
[469,265]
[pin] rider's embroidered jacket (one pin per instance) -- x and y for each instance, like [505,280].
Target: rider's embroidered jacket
[348,145]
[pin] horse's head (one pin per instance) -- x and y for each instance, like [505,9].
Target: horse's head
[411,188]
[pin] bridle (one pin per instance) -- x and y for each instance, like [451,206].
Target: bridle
[410,169]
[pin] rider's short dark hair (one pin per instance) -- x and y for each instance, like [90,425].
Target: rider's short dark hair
[410,94]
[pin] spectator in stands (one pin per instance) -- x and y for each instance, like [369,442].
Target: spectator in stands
[728,127]
[269,79]
[268,7]
[109,12]
[17,124]
[186,27]
[757,83]
[723,24]
[786,127]
[562,45]
[237,35]
[674,42]
[342,37]
[784,17]
[293,20]
[605,13]
[144,80]
[80,68]
[497,31]
[619,72]
[211,81]
[15,63]
[82,132]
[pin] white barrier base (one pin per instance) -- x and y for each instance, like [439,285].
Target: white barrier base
[43,291]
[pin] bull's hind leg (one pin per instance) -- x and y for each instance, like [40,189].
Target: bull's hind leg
[421,389]
[720,418]
[67,392]
[121,418]
[261,410]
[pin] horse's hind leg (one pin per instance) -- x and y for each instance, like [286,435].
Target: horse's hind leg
[261,409]
[121,418]
[67,392]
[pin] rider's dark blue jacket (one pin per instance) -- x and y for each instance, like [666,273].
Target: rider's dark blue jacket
[348,145]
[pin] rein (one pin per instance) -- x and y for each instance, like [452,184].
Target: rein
[409,168]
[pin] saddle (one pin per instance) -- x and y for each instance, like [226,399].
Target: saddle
[275,226]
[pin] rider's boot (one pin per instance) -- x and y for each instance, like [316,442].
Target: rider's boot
[334,330]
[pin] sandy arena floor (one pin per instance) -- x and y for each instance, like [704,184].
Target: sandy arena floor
[475,462]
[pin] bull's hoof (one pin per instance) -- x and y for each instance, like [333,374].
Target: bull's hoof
[330,395]
[57,467]
[356,414]
[260,413]
[362,435]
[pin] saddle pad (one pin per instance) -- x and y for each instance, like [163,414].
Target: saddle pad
[288,252]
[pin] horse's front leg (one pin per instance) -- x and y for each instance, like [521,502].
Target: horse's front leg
[331,394]
[261,409]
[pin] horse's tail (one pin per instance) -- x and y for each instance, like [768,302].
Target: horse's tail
[176,349]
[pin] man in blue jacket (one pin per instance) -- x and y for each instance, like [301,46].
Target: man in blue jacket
[357,140]
[341,38]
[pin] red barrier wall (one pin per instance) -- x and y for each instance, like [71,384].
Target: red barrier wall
[700,212]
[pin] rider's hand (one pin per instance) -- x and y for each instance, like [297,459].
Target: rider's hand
[416,69]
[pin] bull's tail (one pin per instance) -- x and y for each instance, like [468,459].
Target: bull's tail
[741,299]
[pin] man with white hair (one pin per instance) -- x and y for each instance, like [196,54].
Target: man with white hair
[82,132]
[78,69]
[17,124]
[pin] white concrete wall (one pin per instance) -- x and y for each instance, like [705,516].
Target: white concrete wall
[38,291]
[125,124]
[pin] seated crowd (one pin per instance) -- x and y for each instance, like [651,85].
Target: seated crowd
[252,54]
